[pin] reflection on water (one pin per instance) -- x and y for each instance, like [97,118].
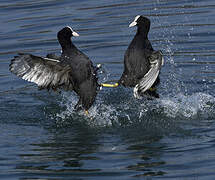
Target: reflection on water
[42,137]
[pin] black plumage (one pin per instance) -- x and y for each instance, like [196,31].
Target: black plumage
[73,70]
[141,63]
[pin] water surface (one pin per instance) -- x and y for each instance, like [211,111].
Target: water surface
[42,137]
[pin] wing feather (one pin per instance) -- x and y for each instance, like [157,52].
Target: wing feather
[45,72]
[156,61]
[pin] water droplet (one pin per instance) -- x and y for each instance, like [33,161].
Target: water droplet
[113,148]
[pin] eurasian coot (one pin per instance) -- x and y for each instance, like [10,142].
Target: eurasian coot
[141,63]
[73,70]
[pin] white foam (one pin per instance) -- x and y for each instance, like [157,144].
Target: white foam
[160,112]
[188,106]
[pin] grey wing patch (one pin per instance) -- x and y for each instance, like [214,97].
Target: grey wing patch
[156,62]
[53,56]
[45,72]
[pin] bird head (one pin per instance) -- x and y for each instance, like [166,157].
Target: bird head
[64,36]
[67,32]
[140,21]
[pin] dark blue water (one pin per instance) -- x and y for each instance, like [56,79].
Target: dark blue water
[42,137]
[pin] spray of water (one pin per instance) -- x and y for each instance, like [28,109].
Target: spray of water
[127,111]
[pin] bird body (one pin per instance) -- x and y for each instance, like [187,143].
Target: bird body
[135,62]
[83,76]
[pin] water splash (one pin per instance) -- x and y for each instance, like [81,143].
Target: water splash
[197,104]
[106,113]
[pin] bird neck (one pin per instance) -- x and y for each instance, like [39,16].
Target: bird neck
[66,45]
[143,31]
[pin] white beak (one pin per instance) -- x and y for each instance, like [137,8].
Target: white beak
[134,23]
[75,34]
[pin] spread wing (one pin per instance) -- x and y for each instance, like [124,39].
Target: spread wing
[156,61]
[45,72]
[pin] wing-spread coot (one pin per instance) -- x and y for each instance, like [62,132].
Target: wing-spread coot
[73,70]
